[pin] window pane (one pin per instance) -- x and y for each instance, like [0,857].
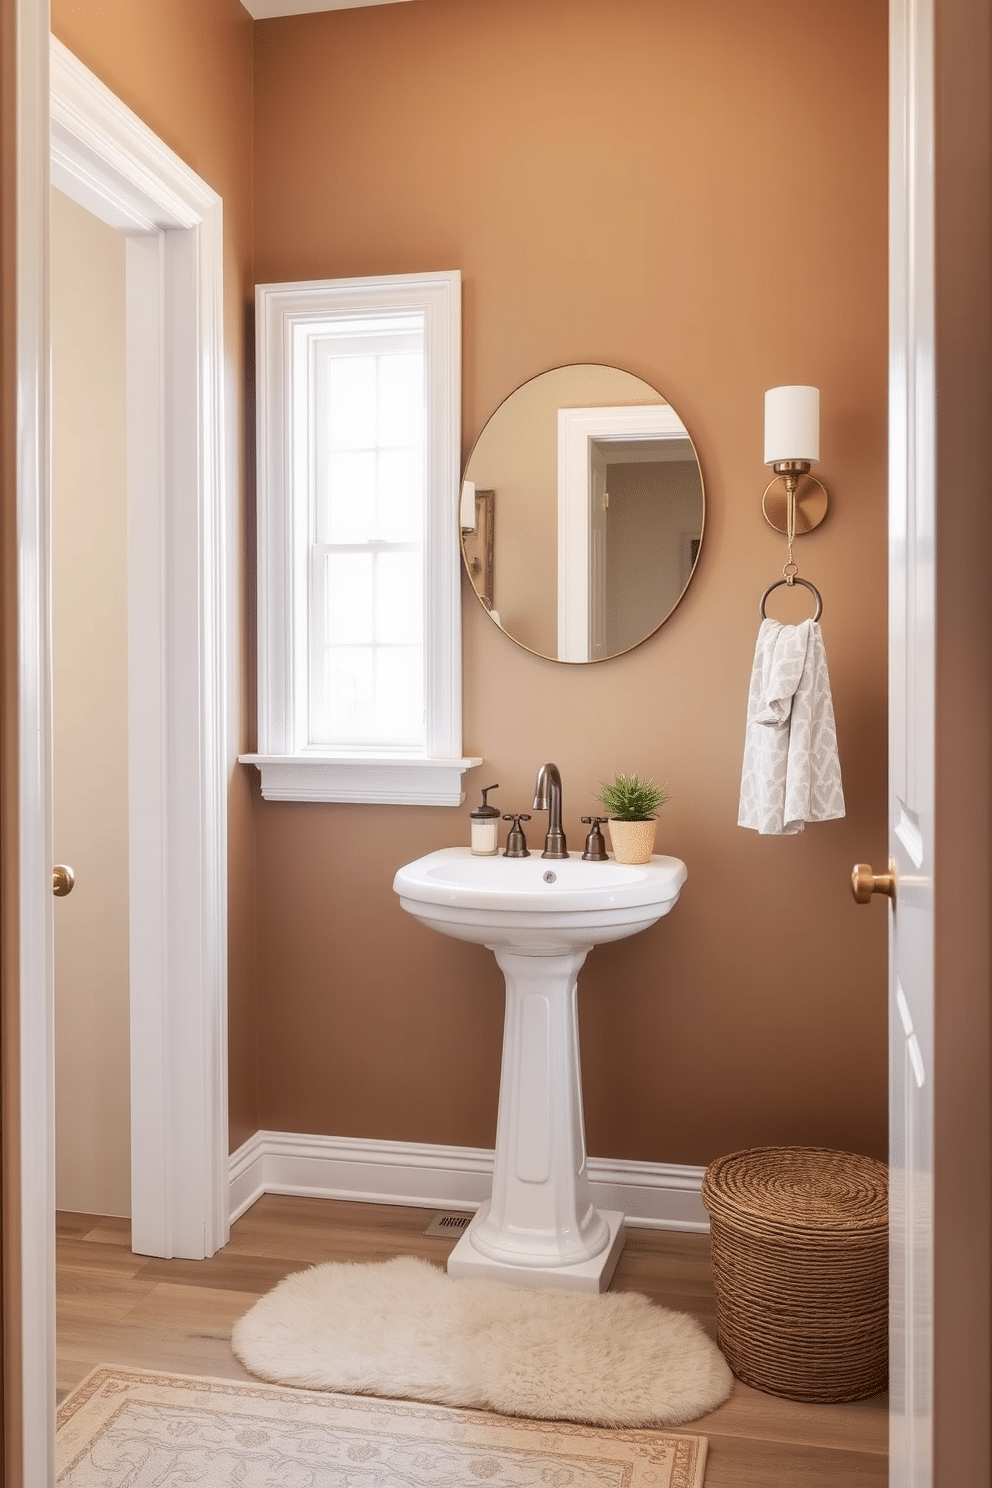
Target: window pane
[369,695]
[398,597]
[351,400]
[345,710]
[348,598]
[401,400]
[346,514]
[401,496]
[399,694]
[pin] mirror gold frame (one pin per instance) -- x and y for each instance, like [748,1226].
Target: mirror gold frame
[582,514]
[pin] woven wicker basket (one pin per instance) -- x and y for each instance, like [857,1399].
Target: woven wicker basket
[800,1264]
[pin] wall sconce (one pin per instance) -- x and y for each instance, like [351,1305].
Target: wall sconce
[795,501]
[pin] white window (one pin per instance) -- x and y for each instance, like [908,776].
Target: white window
[359,645]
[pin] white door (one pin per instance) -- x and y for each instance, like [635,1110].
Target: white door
[912,484]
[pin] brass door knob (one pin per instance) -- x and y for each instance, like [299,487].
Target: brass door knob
[864,882]
[63,879]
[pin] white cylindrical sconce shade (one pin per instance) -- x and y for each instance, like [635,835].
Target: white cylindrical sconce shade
[468,506]
[792,424]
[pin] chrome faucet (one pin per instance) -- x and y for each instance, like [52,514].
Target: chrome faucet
[547,797]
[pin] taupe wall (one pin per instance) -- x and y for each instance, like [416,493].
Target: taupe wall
[444,135]
[757,1012]
[89,685]
[655,513]
[185,68]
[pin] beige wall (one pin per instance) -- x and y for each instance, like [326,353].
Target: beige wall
[446,135]
[185,68]
[89,684]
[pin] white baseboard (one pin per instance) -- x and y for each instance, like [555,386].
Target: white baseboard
[658,1196]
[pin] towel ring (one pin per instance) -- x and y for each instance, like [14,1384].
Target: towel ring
[794,580]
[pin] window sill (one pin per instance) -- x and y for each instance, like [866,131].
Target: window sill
[386,780]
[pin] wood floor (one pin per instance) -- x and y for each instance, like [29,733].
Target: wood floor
[119,1308]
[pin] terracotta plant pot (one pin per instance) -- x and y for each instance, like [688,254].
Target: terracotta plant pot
[633,841]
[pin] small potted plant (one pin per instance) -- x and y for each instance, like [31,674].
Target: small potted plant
[632,804]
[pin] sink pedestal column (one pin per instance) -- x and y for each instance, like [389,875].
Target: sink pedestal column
[540,1228]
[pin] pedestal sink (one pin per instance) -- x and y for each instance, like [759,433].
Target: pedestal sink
[540,917]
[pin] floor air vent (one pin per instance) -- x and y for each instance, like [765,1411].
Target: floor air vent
[448,1224]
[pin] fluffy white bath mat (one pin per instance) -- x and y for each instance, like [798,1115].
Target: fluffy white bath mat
[404,1329]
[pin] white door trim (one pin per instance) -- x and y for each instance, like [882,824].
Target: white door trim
[34,1019]
[73,131]
[577,428]
[110,162]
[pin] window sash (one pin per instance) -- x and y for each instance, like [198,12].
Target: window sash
[359,690]
[295,760]
[365,629]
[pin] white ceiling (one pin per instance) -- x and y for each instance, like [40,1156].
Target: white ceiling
[264,10]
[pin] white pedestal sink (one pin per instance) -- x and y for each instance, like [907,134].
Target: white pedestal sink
[540,916]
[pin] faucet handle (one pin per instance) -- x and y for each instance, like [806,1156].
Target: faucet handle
[516,842]
[595,848]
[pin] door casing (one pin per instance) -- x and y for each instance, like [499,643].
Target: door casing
[91,147]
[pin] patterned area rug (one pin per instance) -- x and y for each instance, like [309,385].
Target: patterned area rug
[124,1428]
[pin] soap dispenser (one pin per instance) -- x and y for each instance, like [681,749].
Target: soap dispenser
[485,827]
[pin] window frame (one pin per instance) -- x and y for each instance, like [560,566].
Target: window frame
[288,318]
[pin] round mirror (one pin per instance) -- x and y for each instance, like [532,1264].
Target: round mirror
[582,513]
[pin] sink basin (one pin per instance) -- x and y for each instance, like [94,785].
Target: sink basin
[540,917]
[537,904]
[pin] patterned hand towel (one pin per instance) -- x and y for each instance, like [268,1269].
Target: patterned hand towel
[791,772]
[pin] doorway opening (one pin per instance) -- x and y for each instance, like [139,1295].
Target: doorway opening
[89,711]
[110,163]
[107,161]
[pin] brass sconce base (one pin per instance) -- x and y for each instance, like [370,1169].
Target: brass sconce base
[811,503]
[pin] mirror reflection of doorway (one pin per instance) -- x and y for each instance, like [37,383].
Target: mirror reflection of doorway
[654,511]
[90,745]
[628,487]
